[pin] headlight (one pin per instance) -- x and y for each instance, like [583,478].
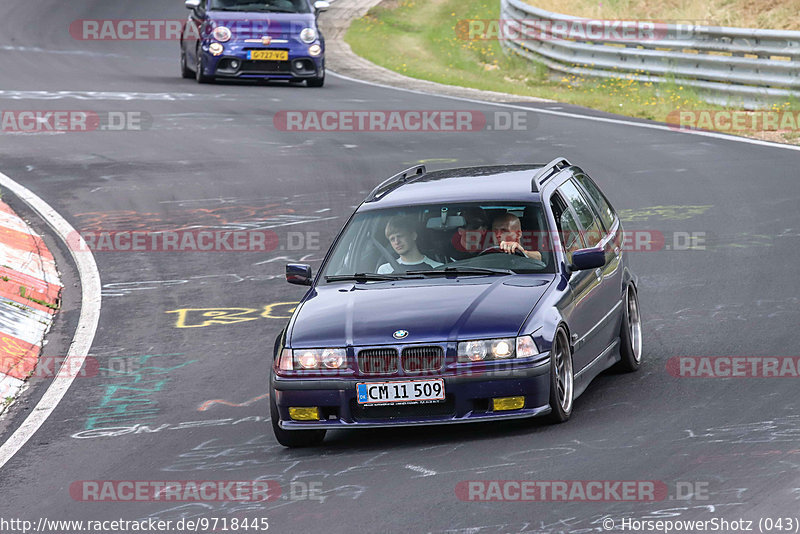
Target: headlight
[222,34]
[496,349]
[314,50]
[216,48]
[472,351]
[309,359]
[308,35]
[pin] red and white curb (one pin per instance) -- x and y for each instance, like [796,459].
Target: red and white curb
[89,317]
[30,289]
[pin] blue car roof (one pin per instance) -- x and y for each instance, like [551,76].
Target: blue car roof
[467,184]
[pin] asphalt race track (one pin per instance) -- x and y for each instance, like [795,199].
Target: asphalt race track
[211,158]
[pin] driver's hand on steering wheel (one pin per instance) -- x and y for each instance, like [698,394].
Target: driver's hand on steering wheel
[511,247]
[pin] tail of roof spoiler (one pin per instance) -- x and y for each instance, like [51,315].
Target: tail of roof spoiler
[404,177]
[547,172]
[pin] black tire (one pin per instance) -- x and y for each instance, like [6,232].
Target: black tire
[316,82]
[630,333]
[562,378]
[292,438]
[186,72]
[199,68]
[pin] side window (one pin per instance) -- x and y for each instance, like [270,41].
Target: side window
[567,226]
[586,216]
[607,214]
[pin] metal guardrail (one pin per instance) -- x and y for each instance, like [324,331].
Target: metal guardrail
[725,65]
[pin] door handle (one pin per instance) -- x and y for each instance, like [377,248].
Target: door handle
[599,273]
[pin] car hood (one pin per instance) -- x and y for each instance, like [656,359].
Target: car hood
[335,315]
[256,25]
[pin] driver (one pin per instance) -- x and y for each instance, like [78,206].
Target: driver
[401,233]
[467,242]
[508,231]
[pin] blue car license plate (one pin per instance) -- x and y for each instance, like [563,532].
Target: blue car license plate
[407,391]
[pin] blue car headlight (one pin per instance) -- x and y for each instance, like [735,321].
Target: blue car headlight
[496,349]
[312,359]
[308,35]
[222,34]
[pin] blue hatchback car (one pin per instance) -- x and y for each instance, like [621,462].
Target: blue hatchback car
[254,39]
[458,295]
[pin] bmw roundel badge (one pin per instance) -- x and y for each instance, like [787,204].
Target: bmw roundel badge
[400,334]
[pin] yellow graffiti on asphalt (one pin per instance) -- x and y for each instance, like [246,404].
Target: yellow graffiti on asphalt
[279,310]
[202,317]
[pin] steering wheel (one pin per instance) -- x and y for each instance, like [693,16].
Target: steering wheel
[498,250]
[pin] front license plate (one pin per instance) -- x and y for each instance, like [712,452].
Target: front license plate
[406,392]
[268,55]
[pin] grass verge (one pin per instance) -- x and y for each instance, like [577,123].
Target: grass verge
[766,14]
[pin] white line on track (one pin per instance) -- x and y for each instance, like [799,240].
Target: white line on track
[87,322]
[419,469]
[608,120]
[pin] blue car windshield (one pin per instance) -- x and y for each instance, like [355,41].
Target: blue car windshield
[463,238]
[265,6]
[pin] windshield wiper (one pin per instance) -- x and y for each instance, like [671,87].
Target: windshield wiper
[272,10]
[464,270]
[260,8]
[365,277]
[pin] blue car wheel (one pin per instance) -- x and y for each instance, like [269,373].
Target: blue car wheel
[292,438]
[561,378]
[200,68]
[186,72]
[630,334]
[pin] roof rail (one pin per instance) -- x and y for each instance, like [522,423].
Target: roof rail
[408,175]
[547,172]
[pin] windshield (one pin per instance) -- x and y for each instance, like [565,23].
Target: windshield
[468,239]
[277,6]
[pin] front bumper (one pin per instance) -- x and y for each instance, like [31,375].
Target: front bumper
[468,399]
[300,64]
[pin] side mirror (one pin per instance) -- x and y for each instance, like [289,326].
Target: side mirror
[298,273]
[321,5]
[192,4]
[588,258]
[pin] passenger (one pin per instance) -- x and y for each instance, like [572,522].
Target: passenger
[508,231]
[401,233]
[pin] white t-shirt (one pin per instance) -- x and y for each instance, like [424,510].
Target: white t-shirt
[426,263]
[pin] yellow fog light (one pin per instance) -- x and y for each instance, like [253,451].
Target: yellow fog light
[507,403]
[314,50]
[215,48]
[304,414]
